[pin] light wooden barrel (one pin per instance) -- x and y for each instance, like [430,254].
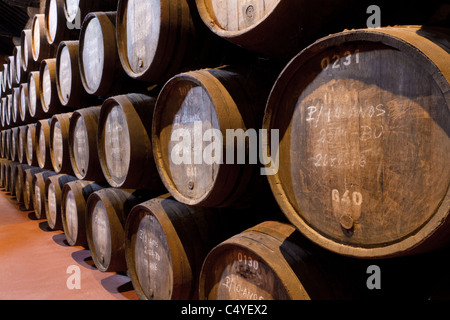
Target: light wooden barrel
[19,71]
[24,110]
[83,145]
[73,210]
[14,144]
[41,48]
[28,63]
[39,198]
[43,144]
[165,244]
[31,145]
[53,195]
[34,96]
[106,213]
[101,72]
[158,39]
[71,92]
[15,116]
[21,157]
[196,111]
[48,88]
[365,141]
[59,143]
[124,143]
[56,26]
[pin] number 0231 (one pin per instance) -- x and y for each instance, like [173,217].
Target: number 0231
[337,61]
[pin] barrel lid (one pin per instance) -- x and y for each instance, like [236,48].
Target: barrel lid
[364,140]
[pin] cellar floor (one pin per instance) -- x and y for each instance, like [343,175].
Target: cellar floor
[36,263]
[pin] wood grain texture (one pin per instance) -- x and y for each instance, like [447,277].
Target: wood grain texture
[59,143]
[365,141]
[39,199]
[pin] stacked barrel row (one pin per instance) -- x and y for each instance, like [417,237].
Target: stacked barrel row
[116,133]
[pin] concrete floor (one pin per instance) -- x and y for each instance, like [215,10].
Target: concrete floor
[36,263]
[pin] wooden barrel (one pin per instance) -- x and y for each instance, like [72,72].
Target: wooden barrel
[257,25]
[73,209]
[10,181]
[196,109]
[31,145]
[11,80]
[59,143]
[53,195]
[77,10]
[56,24]
[8,113]
[3,114]
[71,92]
[15,117]
[14,144]
[165,245]
[19,71]
[24,110]
[19,177]
[106,213]
[28,190]
[41,48]
[34,96]
[125,146]
[4,164]
[5,78]
[28,63]
[271,261]
[43,144]
[8,144]
[156,40]
[363,159]
[39,199]
[101,72]
[48,88]
[21,157]
[83,146]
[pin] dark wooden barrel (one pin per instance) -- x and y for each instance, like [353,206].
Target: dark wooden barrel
[28,190]
[197,111]
[34,96]
[43,144]
[28,63]
[19,178]
[39,198]
[3,114]
[365,141]
[31,145]
[24,110]
[165,245]
[11,77]
[272,261]
[106,213]
[4,164]
[77,10]
[48,88]
[83,145]
[73,210]
[53,195]
[41,48]
[124,143]
[160,39]
[8,144]
[71,92]
[101,72]
[10,181]
[56,26]
[279,28]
